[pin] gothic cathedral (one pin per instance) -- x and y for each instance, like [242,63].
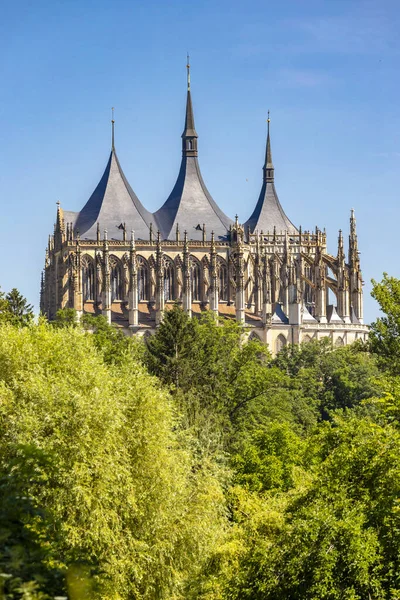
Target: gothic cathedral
[117,259]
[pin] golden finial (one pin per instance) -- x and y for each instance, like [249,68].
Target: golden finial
[188,72]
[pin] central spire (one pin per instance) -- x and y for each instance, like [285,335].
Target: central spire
[189,135]
[268,167]
[190,205]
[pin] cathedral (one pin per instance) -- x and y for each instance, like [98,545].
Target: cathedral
[117,259]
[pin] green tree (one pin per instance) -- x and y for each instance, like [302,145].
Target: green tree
[110,341]
[338,536]
[65,317]
[21,311]
[384,336]
[95,484]
[335,378]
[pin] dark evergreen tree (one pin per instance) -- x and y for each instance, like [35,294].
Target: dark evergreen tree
[20,311]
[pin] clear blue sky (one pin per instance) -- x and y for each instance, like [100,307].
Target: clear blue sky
[327,69]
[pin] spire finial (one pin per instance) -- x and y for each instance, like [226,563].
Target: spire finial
[268,167]
[112,127]
[188,71]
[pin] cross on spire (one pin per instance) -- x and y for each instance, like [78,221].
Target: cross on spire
[188,71]
[112,127]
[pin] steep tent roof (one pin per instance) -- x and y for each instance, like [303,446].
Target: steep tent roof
[113,205]
[268,213]
[190,204]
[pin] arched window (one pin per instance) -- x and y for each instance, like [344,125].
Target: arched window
[280,343]
[116,279]
[196,281]
[88,278]
[169,280]
[143,279]
[223,282]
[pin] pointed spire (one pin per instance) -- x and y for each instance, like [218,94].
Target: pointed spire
[60,218]
[112,129]
[268,213]
[340,252]
[353,241]
[189,135]
[268,167]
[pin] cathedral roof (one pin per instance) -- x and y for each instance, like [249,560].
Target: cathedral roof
[190,204]
[268,213]
[113,206]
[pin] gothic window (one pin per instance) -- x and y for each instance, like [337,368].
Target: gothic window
[88,278]
[116,279]
[280,343]
[196,281]
[169,280]
[143,279]
[190,145]
[223,282]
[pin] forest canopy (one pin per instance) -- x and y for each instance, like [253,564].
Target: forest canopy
[195,466]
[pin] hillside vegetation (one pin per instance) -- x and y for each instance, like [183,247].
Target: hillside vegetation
[194,466]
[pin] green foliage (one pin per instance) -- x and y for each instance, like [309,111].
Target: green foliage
[194,466]
[213,376]
[340,536]
[21,313]
[385,331]
[109,340]
[335,378]
[93,475]
[268,458]
[65,317]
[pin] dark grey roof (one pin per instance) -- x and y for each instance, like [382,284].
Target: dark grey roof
[190,204]
[278,315]
[268,213]
[70,217]
[112,204]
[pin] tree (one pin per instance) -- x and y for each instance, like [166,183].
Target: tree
[385,331]
[95,484]
[110,341]
[335,378]
[21,311]
[337,535]
[65,317]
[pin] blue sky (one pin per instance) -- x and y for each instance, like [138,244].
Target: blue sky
[327,69]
